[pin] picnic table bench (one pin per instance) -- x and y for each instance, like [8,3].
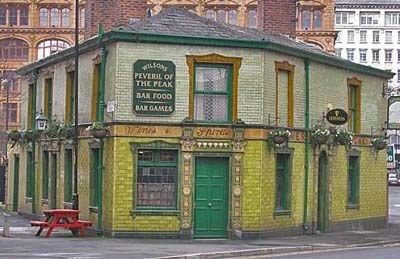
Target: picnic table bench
[61,218]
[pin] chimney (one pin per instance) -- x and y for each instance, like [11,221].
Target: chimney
[277,16]
[112,13]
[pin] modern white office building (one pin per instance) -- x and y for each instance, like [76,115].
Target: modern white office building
[369,33]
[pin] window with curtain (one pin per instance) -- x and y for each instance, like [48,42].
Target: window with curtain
[157,179]
[211,97]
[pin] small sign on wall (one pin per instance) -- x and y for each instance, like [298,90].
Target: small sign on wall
[337,116]
[153,87]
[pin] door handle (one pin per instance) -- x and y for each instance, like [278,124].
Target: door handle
[209,205]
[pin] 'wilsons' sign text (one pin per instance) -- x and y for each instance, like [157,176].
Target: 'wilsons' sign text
[337,116]
[153,87]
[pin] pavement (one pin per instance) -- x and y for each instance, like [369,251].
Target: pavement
[23,242]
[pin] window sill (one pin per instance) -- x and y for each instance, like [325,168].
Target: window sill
[135,213]
[353,207]
[93,209]
[282,212]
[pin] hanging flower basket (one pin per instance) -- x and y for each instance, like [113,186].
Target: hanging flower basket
[29,135]
[279,135]
[98,130]
[14,135]
[319,134]
[379,143]
[343,136]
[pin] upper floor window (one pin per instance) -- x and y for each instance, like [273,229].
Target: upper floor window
[14,14]
[350,36]
[375,36]
[338,52]
[339,36]
[54,17]
[392,19]
[48,47]
[311,19]
[375,55]
[344,18]
[14,49]
[350,54]
[213,88]
[354,102]
[252,18]
[388,36]
[388,55]
[225,15]
[363,55]
[363,36]
[82,18]
[12,81]
[369,18]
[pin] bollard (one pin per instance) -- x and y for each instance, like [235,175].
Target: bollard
[6,225]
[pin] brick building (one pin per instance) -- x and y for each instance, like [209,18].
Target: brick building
[198,114]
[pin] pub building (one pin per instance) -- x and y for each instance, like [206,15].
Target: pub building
[194,111]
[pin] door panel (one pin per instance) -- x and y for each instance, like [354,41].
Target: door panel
[53,181]
[211,197]
[323,201]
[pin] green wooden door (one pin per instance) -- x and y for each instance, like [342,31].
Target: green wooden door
[16,183]
[323,201]
[211,197]
[53,181]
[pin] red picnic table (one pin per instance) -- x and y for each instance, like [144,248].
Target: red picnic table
[61,218]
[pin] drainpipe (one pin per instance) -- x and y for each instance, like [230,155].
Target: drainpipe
[100,118]
[307,142]
[33,126]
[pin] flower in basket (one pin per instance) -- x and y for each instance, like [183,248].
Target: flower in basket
[379,143]
[279,135]
[14,135]
[319,133]
[344,136]
[66,131]
[98,130]
[52,129]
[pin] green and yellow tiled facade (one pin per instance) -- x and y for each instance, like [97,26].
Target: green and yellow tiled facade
[259,188]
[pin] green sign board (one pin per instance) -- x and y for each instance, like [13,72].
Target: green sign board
[153,87]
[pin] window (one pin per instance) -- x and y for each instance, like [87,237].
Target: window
[375,55]
[388,55]
[29,175]
[213,87]
[48,98]
[284,85]
[317,19]
[157,179]
[45,175]
[252,18]
[398,75]
[282,188]
[344,18]
[10,112]
[54,17]
[224,15]
[12,84]
[398,56]
[354,100]
[95,91]
[363,55]
[375,36]
[68,175]
[48,47]
[82,18]
[14,15]
[305,20]
[338,52]
[353,180]
[363,36]
[69,98]
[398,37]
[369,18]
[14,49]
[392,19]
[94,184]
[350,54]
[350,36]
[388,36]
[339,36]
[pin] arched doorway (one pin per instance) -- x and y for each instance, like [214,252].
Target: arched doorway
[323,193]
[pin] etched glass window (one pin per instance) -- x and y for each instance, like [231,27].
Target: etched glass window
[157,178]
[211,93]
